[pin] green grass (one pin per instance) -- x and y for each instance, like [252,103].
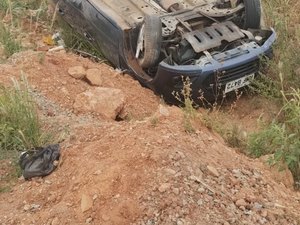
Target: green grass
[17,7]
[76,42]
[12,15]
[9,43]
[20,128]
[284,16]
[281,137]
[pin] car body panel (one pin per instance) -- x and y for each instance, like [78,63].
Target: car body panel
[214,73]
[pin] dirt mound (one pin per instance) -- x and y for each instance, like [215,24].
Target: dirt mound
[48,74]
[147,170]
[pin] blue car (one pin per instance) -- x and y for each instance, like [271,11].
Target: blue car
[216,45]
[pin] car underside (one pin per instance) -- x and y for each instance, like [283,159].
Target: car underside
[163,42]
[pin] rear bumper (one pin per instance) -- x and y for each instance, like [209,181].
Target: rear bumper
[209,78]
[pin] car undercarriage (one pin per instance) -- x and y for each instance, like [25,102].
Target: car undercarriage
[192,33]
[217,44]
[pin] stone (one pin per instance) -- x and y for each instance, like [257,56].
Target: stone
[35,207]
[48,182]
[89,220]
[95,196]
[78,72]
[170,171]
[264,213]
[241,202]
[201,190]
[55,221]
[164,187]
[176,191]
[200,202]
[86,202]
[105,218]
[163,110]
[282,174]
[106,102]
[213,171]
[26,207]
[93,76]
[257,206]
[195,178]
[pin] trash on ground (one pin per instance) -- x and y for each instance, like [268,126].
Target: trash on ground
[41,162]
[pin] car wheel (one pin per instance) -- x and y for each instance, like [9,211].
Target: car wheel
[252,15]
[149,41]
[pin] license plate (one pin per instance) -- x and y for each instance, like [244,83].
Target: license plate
[238,83]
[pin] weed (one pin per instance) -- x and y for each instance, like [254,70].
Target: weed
[282,138]
[41,57]
[77,42]
[12,172]
[285,19]
[10,44]
[4,189]
[266,87]
[4,6]
[235,137]
[232,133]
[154,121]
[19,123]
[185,98]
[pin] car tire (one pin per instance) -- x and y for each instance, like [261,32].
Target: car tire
[252,14]
[152,38]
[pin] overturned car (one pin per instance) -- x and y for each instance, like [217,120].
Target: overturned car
[216,44]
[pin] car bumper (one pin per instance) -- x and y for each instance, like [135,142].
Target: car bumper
[209,80]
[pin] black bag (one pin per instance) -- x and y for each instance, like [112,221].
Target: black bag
[40,163]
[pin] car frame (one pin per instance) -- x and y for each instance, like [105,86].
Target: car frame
[137,37]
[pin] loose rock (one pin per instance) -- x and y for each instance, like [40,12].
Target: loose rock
[86,202]
[213,171]
[241,202]
[164,187]
[77,72]
[163,110]
[89,220]
[55,221]
[93,76]
[107,102]
[105,217]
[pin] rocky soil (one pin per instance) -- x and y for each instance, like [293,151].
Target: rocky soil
[127,159]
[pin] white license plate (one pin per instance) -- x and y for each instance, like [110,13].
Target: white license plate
[238,83]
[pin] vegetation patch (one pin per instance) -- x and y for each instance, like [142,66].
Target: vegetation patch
[77,43]
[184,98]
[9,43]
[281,137]
[20,128]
